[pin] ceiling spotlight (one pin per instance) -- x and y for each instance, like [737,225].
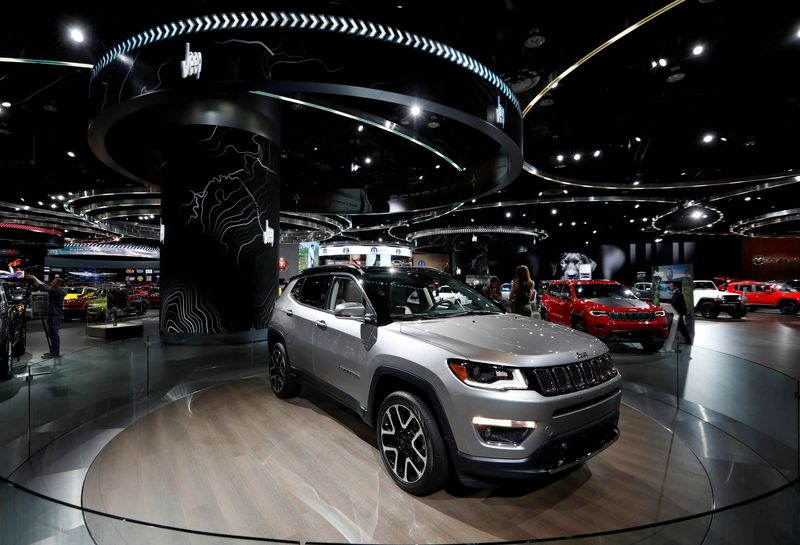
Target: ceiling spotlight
[697,50]
[798,34]
[724,139]
[508,214]
[594,232]
[70,154]
[708,138]
[631,220]
[360,128]
[472,220]
[52,205]
[523,215]
[5,104]
[437,166]
[748,198]
[573,224]
[662,62]
[705,216]
[555,84]
[653,64]
[565,192]
[554,211]
[636,205]
[76,35]
[60,197]
[559,158]
[697,214]
[636,182]
[380,240]
[41,203]
[637,139]
[577,157]
[596,153]
[421,176]
[561,224]
[367,160]
[644,219]
[416,110]
[473,200]
[659,240]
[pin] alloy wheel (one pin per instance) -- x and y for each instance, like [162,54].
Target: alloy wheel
[277,370]
[403,443]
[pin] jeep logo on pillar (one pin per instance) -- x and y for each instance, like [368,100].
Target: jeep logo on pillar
[191,64]
[269,234]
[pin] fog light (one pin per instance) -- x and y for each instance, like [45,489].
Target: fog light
[502,432]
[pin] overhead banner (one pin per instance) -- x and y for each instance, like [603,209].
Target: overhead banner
[403,251]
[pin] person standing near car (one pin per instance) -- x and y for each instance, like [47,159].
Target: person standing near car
[679,304]
[521,292]
[55,311]
[493,290]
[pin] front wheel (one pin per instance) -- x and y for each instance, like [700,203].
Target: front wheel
[788,307]
[652,346]
[579,324]
[411,445]
[709,310]
[280,379]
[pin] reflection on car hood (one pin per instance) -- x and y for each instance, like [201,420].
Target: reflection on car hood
[506,338]
[611,302]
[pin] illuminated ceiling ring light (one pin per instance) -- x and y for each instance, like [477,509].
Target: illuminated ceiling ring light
[538,234]
[49,219]
[308,22]
[305,227]
[754,189]
[746,227]
[699,218]
[480,139]
[597,199]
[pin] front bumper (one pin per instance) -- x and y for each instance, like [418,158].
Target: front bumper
[557,454]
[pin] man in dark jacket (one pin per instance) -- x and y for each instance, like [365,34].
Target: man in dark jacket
[55,311]
[679,304]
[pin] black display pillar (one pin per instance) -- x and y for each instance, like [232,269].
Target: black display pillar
[220,196]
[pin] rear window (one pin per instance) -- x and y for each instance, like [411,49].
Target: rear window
[704,286]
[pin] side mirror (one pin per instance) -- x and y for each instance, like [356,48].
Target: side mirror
[349,310]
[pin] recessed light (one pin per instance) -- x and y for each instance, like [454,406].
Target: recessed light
[60,197]
[596,153]
[577,157]
[360,128]
[637,139]
[561,224]
[472,220]
[473,200]
[367,160]
[41,203]
[554,211]
[696,214]
[573,224]
[437,166]
[659,240]
[380,240]
[70,154]
[594,232]
[644,219]
[662,62]
[559,158]
[636,205]
[705,216]
[636,182]
[724,139]
[631,220]
[653,64]
[748,198]
[523,215]
[52,205]
[416,110]
[697,50]
[508,214]
[708,138]
[421,177]
[76,35]
[5,104]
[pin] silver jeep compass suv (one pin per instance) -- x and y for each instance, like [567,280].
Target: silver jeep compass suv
[453,385]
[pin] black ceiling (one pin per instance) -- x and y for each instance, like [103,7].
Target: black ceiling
[743,87]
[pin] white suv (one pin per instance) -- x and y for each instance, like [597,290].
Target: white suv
[709,301]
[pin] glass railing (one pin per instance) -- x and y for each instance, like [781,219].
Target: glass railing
[740,419]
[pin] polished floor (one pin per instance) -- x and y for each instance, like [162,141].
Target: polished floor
[235,459]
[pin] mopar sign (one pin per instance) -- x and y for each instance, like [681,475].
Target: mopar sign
[373,250]
[775,260]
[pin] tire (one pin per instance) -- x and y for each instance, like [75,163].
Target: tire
[6,361]
[280,377]
[18,349]
[652,346]
[579,324]
[738,313]
[788,307]
[709,310]
[404,448]
[543,314]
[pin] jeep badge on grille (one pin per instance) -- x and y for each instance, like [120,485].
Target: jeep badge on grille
[581,355]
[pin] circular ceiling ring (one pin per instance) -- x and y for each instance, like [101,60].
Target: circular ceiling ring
[753,189]
[659,186]
[336,223]
[569,200]
[698,215]
[745,226]
[418,218]
[538,234]
[480,132]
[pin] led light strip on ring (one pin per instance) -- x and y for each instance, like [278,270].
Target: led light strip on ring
[539,234]
[744,227]
[305,21]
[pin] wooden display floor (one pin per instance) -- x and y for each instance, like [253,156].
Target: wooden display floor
[235,459]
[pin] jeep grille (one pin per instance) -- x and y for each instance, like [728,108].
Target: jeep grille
[573,377]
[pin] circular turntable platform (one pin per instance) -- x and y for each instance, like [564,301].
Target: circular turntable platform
[234,459]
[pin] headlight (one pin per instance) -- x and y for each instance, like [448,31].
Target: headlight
[660,313]
[598,313]
[488,376]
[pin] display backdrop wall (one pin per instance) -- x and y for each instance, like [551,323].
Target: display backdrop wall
[771,258]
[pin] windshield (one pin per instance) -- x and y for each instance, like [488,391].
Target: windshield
[704,286]
[412,294]
[783,287]
[598,291]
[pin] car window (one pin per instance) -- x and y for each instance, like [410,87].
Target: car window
[297,287]
[554,289]
[315,291]
[783,288]
[345,290]
[592,291]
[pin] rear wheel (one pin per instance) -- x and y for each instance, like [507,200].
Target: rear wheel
[788,307]
[411,445]
[652,346]
[280,379]
[709,310]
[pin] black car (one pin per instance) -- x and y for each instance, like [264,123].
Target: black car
[13,298]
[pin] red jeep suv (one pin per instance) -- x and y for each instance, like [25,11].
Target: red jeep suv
[757,295]
[607,310]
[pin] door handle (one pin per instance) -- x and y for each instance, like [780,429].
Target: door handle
[289,312]
[321,324]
